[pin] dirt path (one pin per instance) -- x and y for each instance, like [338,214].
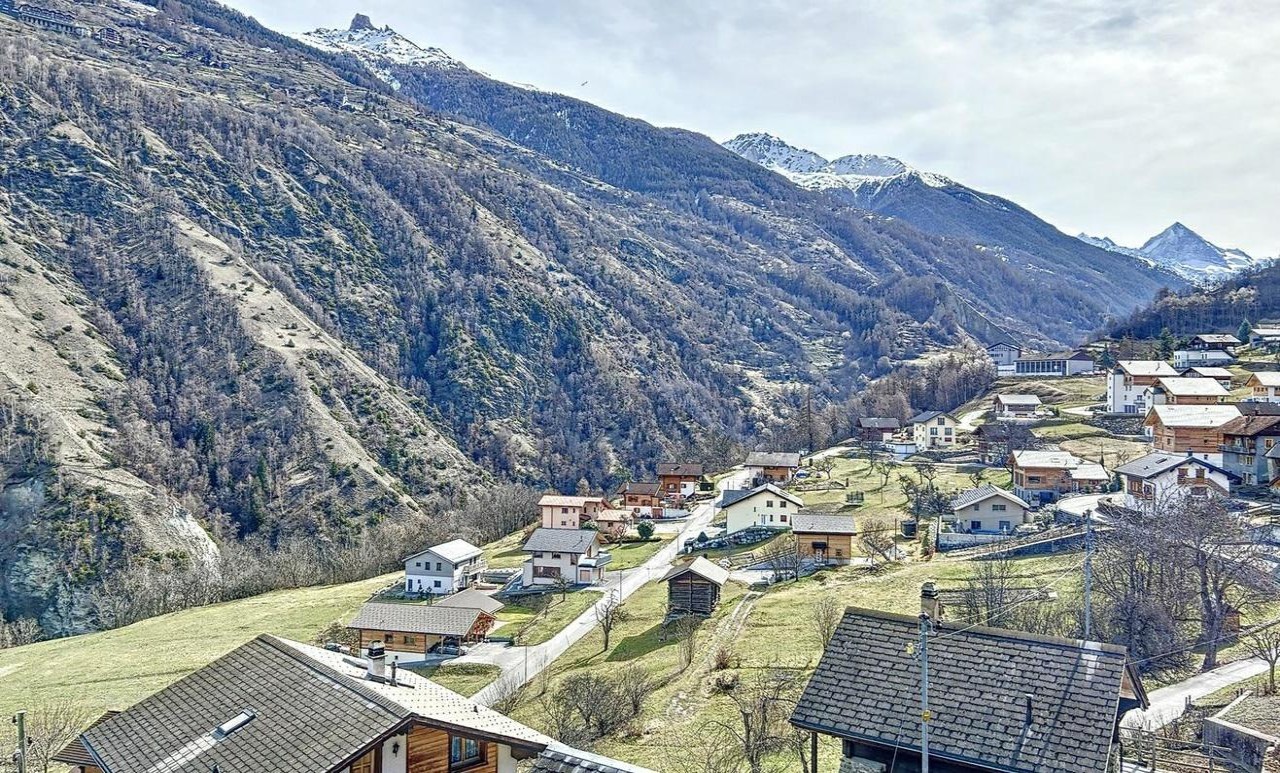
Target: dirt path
[726,632]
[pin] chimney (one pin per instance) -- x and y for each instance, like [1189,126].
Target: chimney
[1028,717]
[393,673]
[930,603]
[377,661]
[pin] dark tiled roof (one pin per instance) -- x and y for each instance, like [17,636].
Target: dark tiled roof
[823,524]
[1258,408]
[772,459]
[687,470]
[75,752]
[558,758]
[920,418]
[416,618]
[1154,464]
[867,688]
[1250,426]
[312,710]
[643,488]
[733,496]
[984,492]
[560,540]
[872,422]
[302,723]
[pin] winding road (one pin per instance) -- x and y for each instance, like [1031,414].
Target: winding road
[521,664]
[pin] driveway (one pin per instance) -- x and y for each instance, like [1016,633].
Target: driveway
[521,664]
[1079,505]
[1168,703]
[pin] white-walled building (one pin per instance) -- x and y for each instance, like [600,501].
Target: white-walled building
[989,509]
[1128,383]
[1159,477]
[765,505]
[1265,386]
[443,569]
[934,430]
[571,554]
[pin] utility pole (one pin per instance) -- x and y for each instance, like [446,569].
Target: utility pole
[1088,575]
[925,716]
[21,757]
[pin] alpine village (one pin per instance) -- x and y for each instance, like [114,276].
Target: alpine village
[364,413]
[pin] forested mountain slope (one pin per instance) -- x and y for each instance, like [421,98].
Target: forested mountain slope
[257,303]
[1252,295]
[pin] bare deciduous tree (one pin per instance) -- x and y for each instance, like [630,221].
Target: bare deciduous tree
[50,727]
[876,540]
[609,614]
[1265,643]
[824,617]
[763,703]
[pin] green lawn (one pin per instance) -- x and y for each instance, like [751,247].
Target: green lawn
[888,501]
[114,669]
[463,678]
[506,553]
[1068,431]
[525,622]
[777,632]
[628,555]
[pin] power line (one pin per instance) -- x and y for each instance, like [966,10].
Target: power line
[993,612]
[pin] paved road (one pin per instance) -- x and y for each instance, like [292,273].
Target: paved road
[521,664]
[1078,505]
[1168,703]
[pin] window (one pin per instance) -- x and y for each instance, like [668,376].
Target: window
[410,639]
[782,503]
[1199,473]
[1270,442]
[933,431]
[999,508]
[769,503]
[388,638]
[947,431]
[975,525]
[436,584]
[539,555]
[464,752]
[1033,478]
[783,517]
[419,565]
[1182,473]
[1006,526]
[941,422]
[438,569]
[557,555]
[564,510]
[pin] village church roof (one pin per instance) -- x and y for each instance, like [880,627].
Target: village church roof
[867,686]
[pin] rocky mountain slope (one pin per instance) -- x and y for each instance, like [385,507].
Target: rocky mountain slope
[1251,295]
[261,296]
[1184,252]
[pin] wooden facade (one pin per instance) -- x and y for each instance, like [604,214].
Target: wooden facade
[692,593]
[1200,440]
[832,548]
[415,642]
[428,752]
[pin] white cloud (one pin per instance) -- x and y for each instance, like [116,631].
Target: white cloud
[1112,116]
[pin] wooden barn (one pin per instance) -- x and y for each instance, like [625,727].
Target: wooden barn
[694,588]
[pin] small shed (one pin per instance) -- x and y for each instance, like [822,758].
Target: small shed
[694,588]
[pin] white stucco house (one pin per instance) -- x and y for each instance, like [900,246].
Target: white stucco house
[1128,383]
[765,505]
[571,554]
[1265,386]
[1159,477]
[442,569]
[989,509]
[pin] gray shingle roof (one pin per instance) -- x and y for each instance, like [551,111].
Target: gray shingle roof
[867,688]
[733,496]
[873,422]
[560,541]
[312,711]
[823,524]
[641,487]
[472,599]
[702,567]
[1154,464]
[558,758]
[772,459]
[686,469]
[980,493]
[416,618]
[453,551]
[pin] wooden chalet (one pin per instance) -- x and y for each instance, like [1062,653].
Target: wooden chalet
[282,706]
[694,588]
[680,480]
[826,538]
[411,631]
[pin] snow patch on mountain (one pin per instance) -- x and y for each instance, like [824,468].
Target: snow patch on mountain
[863,174]
[379,48]
[1184,252]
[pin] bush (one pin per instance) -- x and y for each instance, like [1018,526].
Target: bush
[644,529]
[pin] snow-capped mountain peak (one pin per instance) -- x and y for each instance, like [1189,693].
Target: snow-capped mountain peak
[1184,252]
[863,175]
[773,153]
[379,48]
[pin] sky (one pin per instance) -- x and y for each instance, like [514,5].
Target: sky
[1113,117]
